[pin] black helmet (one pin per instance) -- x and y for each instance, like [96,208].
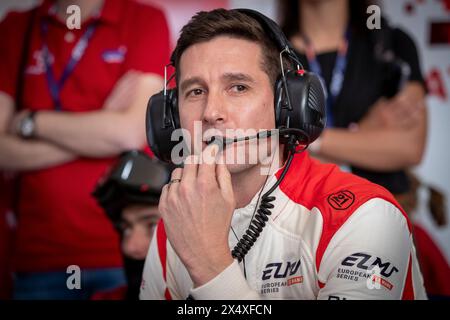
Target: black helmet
[134,179]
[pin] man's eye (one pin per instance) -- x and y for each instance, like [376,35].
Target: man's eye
[195,92]
[238,88]
[126,231]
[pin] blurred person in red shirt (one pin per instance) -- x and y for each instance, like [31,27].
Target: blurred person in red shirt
[7,224]
[71,100]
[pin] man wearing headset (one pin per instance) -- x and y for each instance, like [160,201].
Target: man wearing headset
[318,233]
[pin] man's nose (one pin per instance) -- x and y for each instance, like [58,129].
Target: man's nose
[136,245]
[215,111]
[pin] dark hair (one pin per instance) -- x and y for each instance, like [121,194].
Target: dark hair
[289,13]
[205,26]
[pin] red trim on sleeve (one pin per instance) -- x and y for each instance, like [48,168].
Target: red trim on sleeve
[161,239]
[408,290]
[167,294]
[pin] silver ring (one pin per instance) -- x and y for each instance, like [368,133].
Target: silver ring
[174,181]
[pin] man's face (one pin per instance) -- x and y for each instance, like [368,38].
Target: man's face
[138,225]
[222,86]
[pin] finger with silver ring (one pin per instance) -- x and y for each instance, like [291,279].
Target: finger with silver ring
[174,181]
[175,178]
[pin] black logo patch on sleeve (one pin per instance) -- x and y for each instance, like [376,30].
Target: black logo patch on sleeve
[341,200]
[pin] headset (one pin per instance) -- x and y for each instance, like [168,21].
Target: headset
[300,100]
[300,117]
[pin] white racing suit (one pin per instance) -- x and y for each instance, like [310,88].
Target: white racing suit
[331,235]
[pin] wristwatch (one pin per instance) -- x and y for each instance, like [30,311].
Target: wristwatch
[27,126]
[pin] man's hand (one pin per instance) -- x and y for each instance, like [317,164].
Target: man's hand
[391,137]
[196,208]
[400,112]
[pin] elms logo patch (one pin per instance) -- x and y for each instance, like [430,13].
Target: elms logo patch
[362,266]
[341,200]
[280,270]
[279,276]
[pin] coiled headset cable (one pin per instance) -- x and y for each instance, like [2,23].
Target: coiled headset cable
[264,211]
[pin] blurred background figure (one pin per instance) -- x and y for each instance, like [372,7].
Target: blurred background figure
[7,226]
[376,120]
[72,100]
[433,264]
[129,194]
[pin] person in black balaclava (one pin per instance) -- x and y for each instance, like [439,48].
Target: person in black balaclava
[130,193]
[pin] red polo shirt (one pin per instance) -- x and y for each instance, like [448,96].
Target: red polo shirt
[59,222]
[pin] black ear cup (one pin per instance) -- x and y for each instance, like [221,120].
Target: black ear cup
[300,105]
[162,119]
